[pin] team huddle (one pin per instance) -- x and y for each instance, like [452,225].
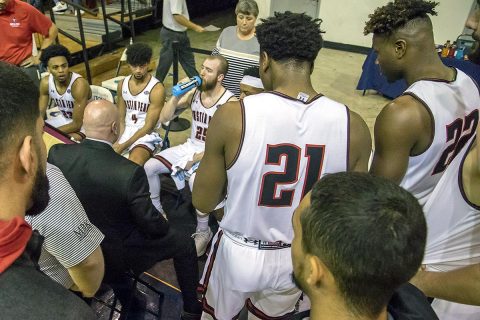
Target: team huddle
[289,168]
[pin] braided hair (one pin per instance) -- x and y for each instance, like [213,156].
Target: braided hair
[387,19]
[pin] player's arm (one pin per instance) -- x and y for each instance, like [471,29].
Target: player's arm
[402,126]
[122,108]
[81,93]
[44,97]
[360,145]
[88,274]
[461,285]
[210,183]
[157,100]
[47,41]
[176,103]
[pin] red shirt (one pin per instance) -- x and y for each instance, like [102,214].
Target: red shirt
[17,24]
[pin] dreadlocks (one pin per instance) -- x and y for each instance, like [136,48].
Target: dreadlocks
[396,14]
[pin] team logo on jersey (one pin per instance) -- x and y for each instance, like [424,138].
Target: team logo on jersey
[146,92]
[68,90]
[14,23]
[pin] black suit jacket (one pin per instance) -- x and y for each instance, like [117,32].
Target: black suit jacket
[114,192]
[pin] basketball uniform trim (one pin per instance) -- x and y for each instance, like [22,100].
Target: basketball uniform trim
[319,95]
[150,96]
[242,136]
[143,147]
[259,314]
[460,175]
[347,165]
[440,80]
[164,161]
[213,105]
[70,84]
[203,288]
[141,91]
[432,129]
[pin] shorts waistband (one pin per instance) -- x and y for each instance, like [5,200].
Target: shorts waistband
[173,30]
[254,243]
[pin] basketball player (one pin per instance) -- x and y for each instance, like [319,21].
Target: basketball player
[204,101]
[67,89]
[251,82]
[418,134]
[356,278]
[266,152]
[140,100]
[452,254]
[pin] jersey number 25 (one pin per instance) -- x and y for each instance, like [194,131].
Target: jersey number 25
[271,180]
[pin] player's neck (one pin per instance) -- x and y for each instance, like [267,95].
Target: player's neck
[330,306]
[428,68]
[65,83]
[139,82]
[214,94]
[296,88]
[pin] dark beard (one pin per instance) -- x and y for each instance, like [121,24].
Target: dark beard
[40,196]
[206,86]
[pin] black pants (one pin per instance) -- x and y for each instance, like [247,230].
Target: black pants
[185,57]
[142,253]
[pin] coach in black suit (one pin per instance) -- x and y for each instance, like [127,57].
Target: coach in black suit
[114,192]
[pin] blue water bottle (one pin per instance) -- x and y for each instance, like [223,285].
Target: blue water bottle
[460,51]
[183,87]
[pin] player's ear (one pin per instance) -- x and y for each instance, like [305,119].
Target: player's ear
[114,128]
[220,77]
[400,48]
[316,271]
[264,61]
[26,157]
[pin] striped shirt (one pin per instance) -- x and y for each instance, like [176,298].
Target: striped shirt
[240,54]
[69,236]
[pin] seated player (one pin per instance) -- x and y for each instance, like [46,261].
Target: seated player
[204,101]
[357,240]
[69,91]
[140,99]
[251,82]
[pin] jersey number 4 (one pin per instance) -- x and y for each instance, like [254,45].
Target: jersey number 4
[458,133]
[134,118]
[292,154]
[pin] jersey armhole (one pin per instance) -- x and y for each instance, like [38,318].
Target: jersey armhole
[242,137]
[432,119]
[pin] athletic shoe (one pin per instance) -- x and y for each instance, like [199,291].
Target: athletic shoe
[60,7]
[202,238]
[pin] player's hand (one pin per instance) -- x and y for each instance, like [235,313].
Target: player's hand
[118,148]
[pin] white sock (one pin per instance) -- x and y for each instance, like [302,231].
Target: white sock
[202,222]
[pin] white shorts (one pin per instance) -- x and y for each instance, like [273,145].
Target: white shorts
[149,141]
[178,156]
[239,273]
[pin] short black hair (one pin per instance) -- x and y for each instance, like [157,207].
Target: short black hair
[369,232]
[290,36]
[252,71]
[139,54]
[394,15]
[18,108]
[55,50]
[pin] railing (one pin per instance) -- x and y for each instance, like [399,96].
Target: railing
[80,41]
[108,16]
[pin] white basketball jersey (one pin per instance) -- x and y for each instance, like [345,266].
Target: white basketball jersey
[453,222]
[201,116]
[287,145]
[137,105]
[454,108]
[65,101]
